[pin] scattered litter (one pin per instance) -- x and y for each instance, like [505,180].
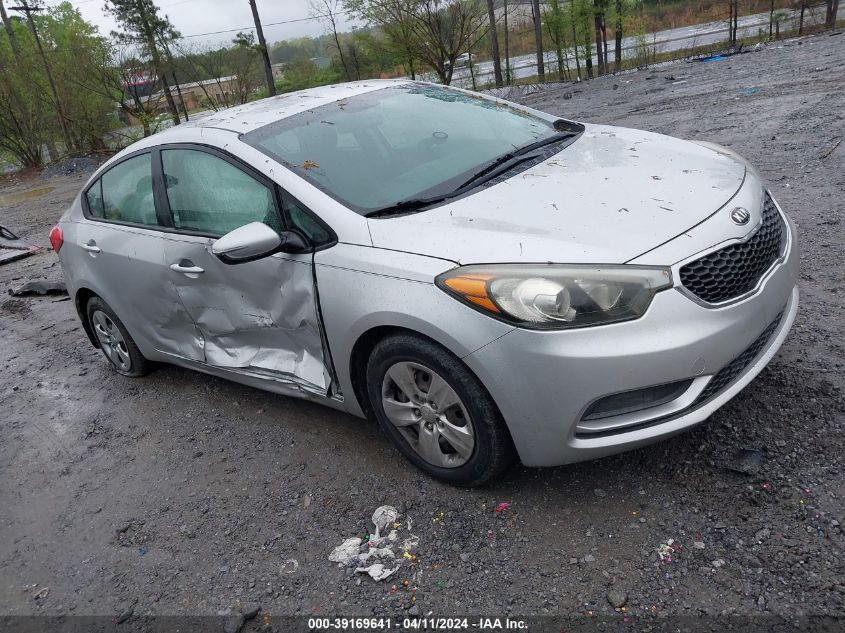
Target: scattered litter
[747,461]
[346,551]
[41,593]
[382,517]
[667,550]
[40,288]
[439,517]
[377,554]
[502,507]
[142,551]
[377,572]
[13,248]
[750,92]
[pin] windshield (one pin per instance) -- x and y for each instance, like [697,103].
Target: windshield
[372,150]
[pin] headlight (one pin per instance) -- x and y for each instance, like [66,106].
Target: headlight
[556,296]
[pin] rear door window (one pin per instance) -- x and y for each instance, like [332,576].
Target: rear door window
[125,193]
[210,195]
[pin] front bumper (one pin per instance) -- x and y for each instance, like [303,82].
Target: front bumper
[543,382]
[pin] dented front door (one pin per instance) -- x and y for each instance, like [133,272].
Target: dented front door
[259,317]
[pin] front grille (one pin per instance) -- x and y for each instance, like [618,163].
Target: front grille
[734,270]
[732,370]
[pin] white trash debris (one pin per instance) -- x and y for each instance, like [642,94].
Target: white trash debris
[379,555]
[346,551]
[376,553]
[378,572]
[383,517]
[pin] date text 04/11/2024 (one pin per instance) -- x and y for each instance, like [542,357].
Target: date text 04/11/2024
[416,624]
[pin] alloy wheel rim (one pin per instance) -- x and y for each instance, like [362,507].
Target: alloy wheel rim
[428,413]
[111,341]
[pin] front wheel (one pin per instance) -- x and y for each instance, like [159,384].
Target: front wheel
[437,412]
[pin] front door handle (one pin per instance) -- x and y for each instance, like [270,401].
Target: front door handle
[91,247]
[188,269]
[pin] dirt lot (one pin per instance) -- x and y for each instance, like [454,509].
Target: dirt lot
[183,494]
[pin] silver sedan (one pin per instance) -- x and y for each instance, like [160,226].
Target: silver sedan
[485,280]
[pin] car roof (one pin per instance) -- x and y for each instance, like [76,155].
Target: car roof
[250,116]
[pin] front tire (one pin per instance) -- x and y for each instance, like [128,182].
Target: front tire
[436,412]
[114,341]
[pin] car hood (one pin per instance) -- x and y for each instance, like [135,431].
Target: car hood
[610,196]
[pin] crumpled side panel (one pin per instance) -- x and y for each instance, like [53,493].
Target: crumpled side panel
[259,315]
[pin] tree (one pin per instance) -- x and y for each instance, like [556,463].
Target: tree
[28,10]
[327,11]
[13,42]
[507,47]
[555,20]
[617,34]
[244,60]
[395,20]
[582,18]
[538,40]
[802,8]
[494,44]
[733,21]
[29,118]
[434,31]
[601,35]
[831,8]
[143,26]
[262,48]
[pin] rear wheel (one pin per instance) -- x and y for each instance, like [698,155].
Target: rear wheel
[437,412]
[117,346]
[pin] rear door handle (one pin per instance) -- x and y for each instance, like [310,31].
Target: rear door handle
[188,270]
[91,247]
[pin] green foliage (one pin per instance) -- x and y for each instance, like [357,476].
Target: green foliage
[29,114]
[304,73]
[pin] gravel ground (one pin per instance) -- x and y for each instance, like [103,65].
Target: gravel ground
[183,494]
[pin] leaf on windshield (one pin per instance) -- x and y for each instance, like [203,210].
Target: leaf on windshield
[310,164]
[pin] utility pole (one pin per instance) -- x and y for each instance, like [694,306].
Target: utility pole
[262,44]
[28,11]
[9,30]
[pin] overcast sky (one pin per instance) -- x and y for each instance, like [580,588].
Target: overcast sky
[191,17]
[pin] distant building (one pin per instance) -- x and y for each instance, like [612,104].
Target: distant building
[192,94]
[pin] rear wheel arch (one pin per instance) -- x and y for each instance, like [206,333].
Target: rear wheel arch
[83,296]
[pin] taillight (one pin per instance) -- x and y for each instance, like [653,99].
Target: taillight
[56,238]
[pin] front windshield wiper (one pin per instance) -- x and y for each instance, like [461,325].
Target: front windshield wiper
[492,169]
[506,161]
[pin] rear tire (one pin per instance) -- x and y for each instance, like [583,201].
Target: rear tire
[436,412]
[114,340]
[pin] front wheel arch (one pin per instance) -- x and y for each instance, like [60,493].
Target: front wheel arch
[360,355]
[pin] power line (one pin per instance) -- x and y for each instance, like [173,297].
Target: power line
[221,32]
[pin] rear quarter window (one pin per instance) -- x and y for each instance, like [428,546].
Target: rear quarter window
[94,198]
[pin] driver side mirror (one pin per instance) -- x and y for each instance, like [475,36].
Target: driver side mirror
[256,240]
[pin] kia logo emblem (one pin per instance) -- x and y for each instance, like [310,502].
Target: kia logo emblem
[740,216]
